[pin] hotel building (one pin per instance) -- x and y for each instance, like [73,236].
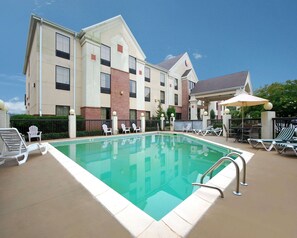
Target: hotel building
[99,70]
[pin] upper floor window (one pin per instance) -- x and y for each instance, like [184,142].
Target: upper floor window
[176,84]
[162,96]
[147,74]
[132,89]
[132,65]
[105,83]
[62,78]
[105,55]
[162,79]
[175,99]
[62,46]
[147,94]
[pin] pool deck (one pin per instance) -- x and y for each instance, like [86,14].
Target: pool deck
[41,199]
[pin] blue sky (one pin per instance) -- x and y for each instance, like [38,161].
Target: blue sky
[221,37]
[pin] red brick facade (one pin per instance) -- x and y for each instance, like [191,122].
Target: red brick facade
[185,100]
[120,93]
[90,112]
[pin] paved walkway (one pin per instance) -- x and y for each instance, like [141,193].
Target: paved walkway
[41,199]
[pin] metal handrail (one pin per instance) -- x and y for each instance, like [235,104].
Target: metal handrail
[217,164]
[209,186]
[243,167]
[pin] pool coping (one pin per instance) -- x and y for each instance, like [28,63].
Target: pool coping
[176,223]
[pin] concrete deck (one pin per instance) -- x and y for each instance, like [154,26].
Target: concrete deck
[41,199]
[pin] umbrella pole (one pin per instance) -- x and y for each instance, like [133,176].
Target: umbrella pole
[242,121]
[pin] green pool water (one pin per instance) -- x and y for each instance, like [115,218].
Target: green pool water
[155,171]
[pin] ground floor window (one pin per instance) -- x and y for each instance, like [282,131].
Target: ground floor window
[62,110]
[133,115]
[105,113]
[177,116]
[147,115]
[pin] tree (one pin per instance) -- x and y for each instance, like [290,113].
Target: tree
[212,114]
[170,110]
[283,96]
[159,111]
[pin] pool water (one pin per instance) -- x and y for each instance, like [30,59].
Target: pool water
[155,172]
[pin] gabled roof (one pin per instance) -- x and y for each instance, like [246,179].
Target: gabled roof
[168,64]
[230,81]
[110,21]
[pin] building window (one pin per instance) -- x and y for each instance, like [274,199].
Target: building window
[62,46]
[175,99]
[105,113]
[177,116]
[105,55]
[175,84]
[132,65]
[147,94]
[147,76]
[162,96]
[191,85]
[62,110]
[62,78]
[105,83]
[162,79]
[147,115]
[132,89]
[133,115]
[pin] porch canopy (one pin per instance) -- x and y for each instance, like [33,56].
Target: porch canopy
[222,88]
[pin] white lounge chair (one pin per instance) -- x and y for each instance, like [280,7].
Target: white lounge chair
[281,148]
[106,130]
[187,127]
[135,128]
[285,135]
[34,133]
[125,129]
[203,132]
[14,147]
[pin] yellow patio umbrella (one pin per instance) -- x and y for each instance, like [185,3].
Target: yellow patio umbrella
[244,100]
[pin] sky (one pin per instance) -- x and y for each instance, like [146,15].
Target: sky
[221,37]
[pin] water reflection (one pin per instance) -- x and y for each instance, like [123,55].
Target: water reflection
[155,172]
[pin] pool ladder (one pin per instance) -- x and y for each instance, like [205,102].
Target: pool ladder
[217,164]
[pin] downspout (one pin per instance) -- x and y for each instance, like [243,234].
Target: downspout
[74,72]
[40,68]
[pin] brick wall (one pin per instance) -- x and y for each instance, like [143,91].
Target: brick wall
[185,99]
[120,102]
[90,112]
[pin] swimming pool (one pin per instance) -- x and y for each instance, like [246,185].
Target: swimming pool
[155,172]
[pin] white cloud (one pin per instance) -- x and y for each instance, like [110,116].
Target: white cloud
[38,4]
[12,80]
[197,55]
[15,106]
[169,57]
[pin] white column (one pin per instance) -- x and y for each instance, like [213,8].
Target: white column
[267,124]
[114,123]
[3,118]
[72,124]
[172,119]
[142,122]
[162,119]
[204,121]
[226,118]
